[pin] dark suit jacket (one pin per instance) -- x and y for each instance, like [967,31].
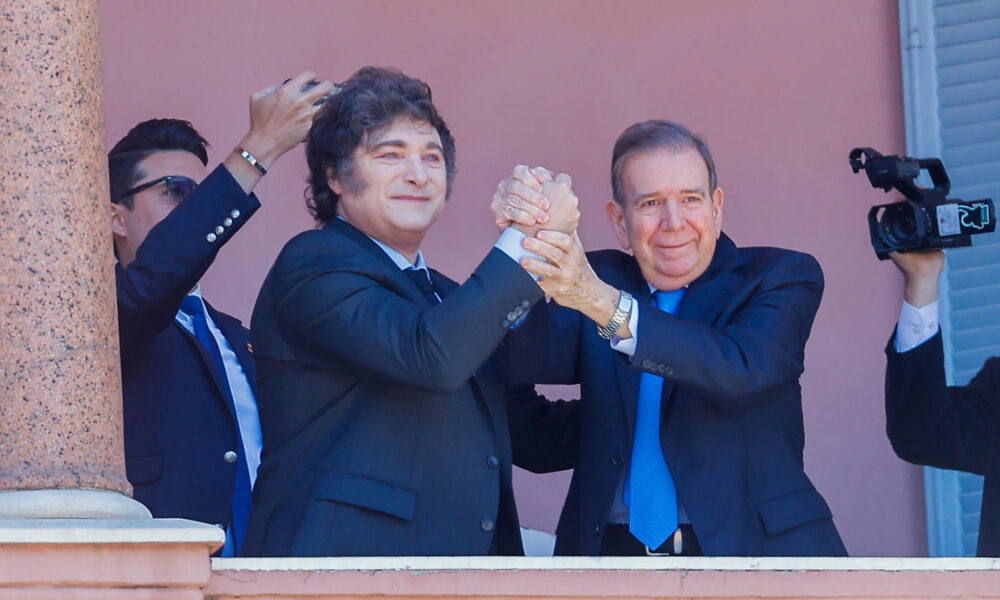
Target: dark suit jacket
[382,413]
[731,430]
[178,424]
[932,424]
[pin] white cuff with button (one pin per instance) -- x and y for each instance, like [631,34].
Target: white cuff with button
[916,325]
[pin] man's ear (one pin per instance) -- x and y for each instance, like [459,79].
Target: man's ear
[616,215]
[717,198]
[333,180]
[118,218]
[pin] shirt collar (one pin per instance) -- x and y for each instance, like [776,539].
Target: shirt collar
[653,290]
[401,261]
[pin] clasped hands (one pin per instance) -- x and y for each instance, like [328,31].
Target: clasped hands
[542,205]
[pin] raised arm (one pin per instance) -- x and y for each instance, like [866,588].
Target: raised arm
[327,289]
[179,249]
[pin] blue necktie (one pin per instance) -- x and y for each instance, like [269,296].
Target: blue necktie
[193,306]
[651,493]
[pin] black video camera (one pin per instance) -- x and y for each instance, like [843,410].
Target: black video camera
[927,219]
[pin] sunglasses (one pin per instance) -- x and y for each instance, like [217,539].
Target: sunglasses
[178,186]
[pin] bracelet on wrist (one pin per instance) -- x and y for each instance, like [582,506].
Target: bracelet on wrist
[250,158]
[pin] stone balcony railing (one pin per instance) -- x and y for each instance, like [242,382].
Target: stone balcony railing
[168,559]
[610,577]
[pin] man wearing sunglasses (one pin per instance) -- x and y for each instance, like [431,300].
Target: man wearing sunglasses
[192,434]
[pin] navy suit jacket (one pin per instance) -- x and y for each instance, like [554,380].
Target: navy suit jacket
[956,428]
[178,423]
[384,422]
[731,430]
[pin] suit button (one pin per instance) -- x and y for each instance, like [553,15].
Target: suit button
[230,456]
[668,370]
[235,214]
[597,530]
[512,316]
[210,238]
[487,525]
[227,222]
[493,462]
[647,364]
[219,230]
[618,460]
[505,323]
[525,303]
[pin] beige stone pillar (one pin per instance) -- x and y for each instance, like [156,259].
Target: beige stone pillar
[60,383]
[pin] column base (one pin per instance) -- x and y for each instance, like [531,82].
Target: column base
[110,559]
[70,504]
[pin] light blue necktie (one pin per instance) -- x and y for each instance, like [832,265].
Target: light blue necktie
[193,307]
[651,494]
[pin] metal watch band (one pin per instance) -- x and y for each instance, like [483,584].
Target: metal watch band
[617,319]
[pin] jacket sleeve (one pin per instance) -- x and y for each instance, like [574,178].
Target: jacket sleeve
[929,423]
[544,434]
[174,256]
[760,346]
[336,309]
[544,347]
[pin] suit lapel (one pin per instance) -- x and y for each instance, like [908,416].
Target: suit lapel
[628,378]
[347,230]
[208,361]
[707,296]
[703,301]
[442,284]
[232,329]
[404,285]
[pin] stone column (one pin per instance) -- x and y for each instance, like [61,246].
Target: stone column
[60,382]
[68,528]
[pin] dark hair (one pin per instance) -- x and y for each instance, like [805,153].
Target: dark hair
[651,135]
[149,137]
[370,100]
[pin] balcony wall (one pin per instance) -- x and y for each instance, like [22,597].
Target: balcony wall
[617,578]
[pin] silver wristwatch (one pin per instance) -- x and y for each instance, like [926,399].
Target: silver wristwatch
[617,319]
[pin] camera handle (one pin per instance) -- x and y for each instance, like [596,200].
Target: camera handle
[898,172]
[935,168]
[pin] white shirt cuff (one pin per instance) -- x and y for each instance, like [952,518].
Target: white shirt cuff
[627,346]
[510,243]
[916,325]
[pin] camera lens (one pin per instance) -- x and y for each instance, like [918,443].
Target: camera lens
[899,225]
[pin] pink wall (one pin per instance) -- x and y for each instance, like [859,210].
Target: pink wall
[782,90]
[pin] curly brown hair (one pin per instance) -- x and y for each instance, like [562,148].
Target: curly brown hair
[367,102]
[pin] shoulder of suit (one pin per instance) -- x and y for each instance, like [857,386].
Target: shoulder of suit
[327,251]
[768,258]
[773,254]
[608,259]
[317,241]
[222,318]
